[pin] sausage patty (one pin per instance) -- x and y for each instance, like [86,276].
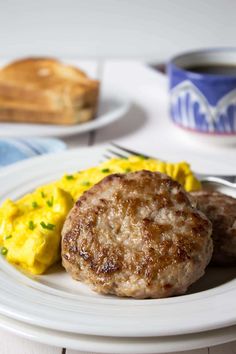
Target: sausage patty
[221,210]
[136,235]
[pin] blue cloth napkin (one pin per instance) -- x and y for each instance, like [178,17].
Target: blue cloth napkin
[13,150]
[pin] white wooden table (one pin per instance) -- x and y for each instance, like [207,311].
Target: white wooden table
[146,127]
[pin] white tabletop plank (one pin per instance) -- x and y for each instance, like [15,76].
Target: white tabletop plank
[229,348]
[12,344]
[135,28]
[198,351]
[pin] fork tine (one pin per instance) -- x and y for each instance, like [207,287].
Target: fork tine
[109,154]
[132,152]
[104,157]
[115,153]
[107,157]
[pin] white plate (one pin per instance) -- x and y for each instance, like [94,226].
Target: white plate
[111,108]
[67,305]
[97,344]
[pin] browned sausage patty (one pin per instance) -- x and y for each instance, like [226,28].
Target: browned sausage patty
[221,210]
[136,235]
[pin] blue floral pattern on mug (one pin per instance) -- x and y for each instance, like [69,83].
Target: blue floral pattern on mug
[202,102]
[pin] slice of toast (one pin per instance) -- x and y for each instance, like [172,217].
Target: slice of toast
[43,90]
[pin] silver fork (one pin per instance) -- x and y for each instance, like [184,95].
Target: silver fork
[119,151]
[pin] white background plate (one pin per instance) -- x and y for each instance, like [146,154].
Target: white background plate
[66,305]
[110,109]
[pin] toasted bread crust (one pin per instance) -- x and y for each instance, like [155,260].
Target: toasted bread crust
[41,90]
[57,118]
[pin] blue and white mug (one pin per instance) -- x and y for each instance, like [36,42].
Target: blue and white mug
[203,102]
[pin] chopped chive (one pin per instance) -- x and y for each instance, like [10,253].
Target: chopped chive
[69,177]
[105,170]
[50,202]
[43,194]
[127,170]
[31,225]
[4,251]
[35,205]
[85,183]
[7,237]
[47,226]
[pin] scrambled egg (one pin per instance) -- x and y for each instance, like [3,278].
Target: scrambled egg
[30,228]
